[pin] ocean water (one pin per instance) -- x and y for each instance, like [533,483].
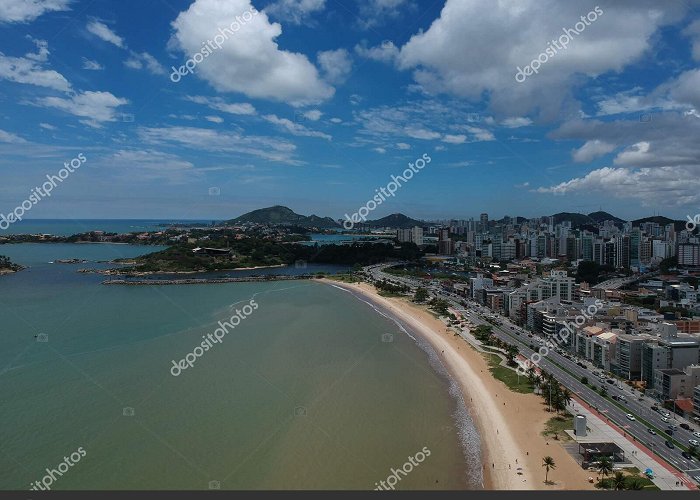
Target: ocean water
[305,393]
[68,227]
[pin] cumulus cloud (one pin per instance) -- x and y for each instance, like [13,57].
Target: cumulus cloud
[22,11]
[592,150]
[649,186]
[313,114]
[475,46]
[94,107]
[294,11]
[103,32]
[454,139]
[336,65]
[250,61]
[385,52]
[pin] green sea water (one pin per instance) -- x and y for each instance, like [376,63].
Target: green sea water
[306,393]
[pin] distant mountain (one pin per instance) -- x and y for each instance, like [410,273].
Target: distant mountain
[283,216]
[396,221]
[577,220]
[662,221]
[601,216]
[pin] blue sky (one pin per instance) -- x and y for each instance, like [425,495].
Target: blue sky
[314,104]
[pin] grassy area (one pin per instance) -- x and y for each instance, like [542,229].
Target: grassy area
[646,483]
[507,376]
[344,277]
[556,426]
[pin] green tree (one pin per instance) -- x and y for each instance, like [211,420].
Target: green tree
[548,464]
[618,481]
[584,380]
[635,483]
[421,295]
[605,466]
[511,353]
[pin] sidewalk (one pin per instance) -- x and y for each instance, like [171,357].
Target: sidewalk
[665,477]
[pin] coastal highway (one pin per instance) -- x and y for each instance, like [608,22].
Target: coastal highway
[569,374]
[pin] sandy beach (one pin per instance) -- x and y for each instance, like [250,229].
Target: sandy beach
[510,424]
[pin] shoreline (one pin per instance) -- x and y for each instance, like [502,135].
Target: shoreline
[512,446]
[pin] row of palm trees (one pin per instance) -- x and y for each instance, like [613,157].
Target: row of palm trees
[605,468]
[556,395]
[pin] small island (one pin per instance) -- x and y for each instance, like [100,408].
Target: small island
[7,266]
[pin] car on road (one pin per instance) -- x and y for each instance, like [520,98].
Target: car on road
[694,442]
[630,417]
[687,455]
[669,431]
[621,397]
[696,434]
[610,381]
[651,431]
[669,444]
[582,365]
[685,426]
[665,419]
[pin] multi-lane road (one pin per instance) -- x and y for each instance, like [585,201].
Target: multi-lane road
[564,367]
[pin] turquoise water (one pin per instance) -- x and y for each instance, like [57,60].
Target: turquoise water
[302,394]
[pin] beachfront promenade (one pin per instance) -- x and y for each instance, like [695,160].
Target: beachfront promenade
[665,477]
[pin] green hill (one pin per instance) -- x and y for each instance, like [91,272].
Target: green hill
[283,216]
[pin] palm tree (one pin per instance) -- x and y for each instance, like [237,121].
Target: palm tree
[618,481]
[531,373]
[605,466]
[511,353]
[635,484]
[548,464]
[566,397]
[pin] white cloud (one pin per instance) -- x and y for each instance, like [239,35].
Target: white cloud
[475,46]
[336,65]
[421,133]
[219,104]
[295,128]
[148,164]
[693,31]
[214,119]
[204,139]
[381,151]
[592,150]
[47,126]
[30,70]
[454,139]
[22,11]
[11,138]
[94,107]
[91,65]
[336,120]
[376,12]
[103,32]
[516,122]
[294,11]
[403,145]
[144,60]
[668,186]
[313,114]
[250,61]
[385,52]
